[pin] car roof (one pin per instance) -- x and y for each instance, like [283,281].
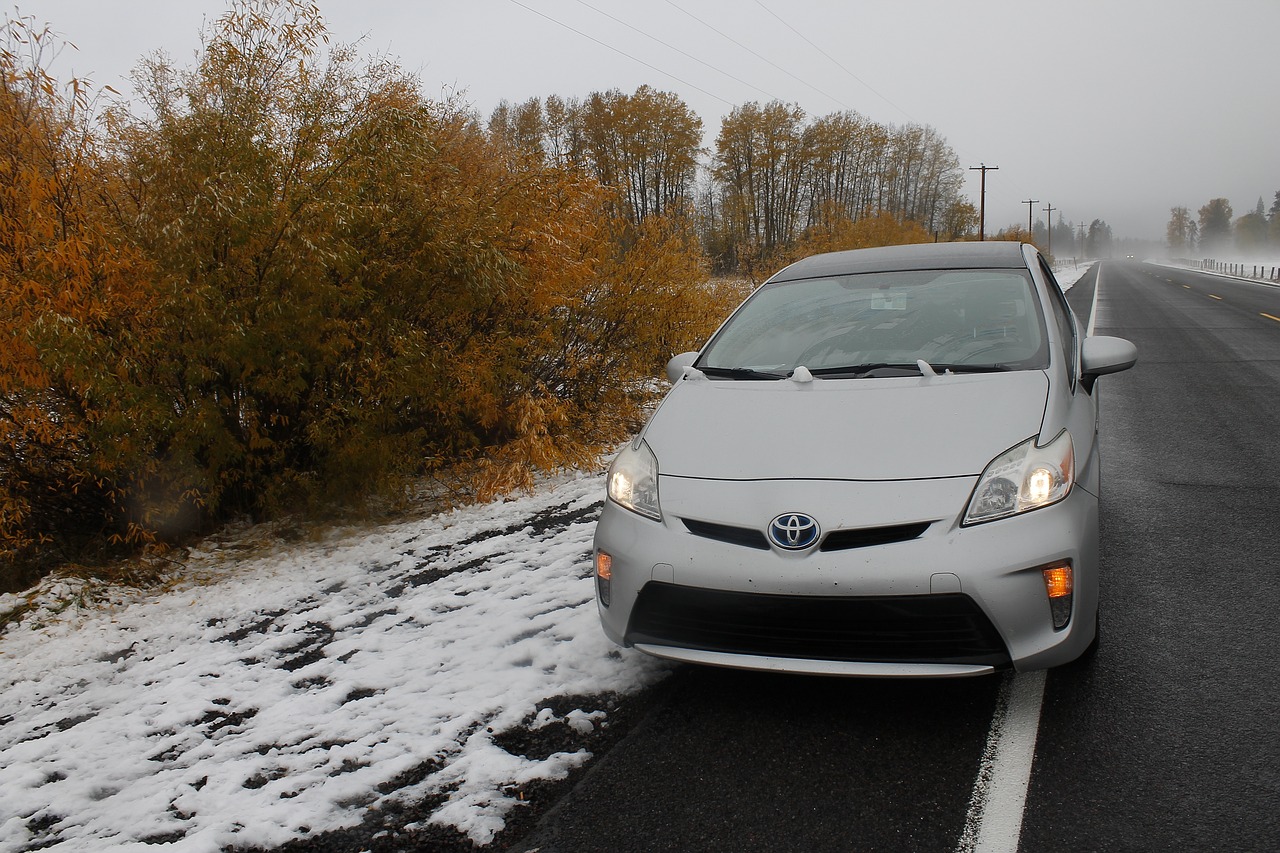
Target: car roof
[994,254]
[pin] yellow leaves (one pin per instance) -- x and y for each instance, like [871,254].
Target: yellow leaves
[881,229]
[71,300]
[544,440]
[295,281]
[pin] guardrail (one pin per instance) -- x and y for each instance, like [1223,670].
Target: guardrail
[1261,271]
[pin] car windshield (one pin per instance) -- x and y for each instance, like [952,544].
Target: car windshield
[876,323]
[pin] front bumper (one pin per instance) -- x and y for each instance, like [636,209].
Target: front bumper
[945,600]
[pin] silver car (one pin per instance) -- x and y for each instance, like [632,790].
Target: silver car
[885,462]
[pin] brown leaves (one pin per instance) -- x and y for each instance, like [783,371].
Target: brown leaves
[71,303]
[294,282]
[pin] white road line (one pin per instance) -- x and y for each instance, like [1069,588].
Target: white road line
[993,823]
[1093,311]
[994,820]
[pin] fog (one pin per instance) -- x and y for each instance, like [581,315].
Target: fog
[1105,110]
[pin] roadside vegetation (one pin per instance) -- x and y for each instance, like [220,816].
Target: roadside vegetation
[284,281]
[1255,234]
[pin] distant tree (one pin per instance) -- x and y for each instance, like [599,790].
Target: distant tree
[520,127]
[1215,225]
[846,153]
[1273,221]
[1099,241]
[759,167]
[644,145]
[1064,238]
[882,229]
[1178,231]
[959,220]
[1017,233]
[923,177]
[565,144]
[1040,231]
[776,180]
[1251,230]
[858,167]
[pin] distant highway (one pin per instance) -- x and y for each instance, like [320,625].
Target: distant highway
[1166,740]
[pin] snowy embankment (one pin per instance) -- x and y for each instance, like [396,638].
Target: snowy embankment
[302,690]
[428,671]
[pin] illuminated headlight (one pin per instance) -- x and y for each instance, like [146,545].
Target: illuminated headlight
[1022,479]
[633,480]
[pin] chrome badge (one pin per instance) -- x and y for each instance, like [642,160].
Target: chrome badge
[793,531]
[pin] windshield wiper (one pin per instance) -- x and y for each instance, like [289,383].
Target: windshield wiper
[901,368]
[739,373]
[974,368]
[864,369]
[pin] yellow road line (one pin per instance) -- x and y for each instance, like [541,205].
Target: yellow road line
[1269,317]
[1215,296]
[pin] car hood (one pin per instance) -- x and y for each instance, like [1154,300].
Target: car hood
[853,429]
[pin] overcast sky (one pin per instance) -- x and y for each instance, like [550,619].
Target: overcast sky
[1106,109]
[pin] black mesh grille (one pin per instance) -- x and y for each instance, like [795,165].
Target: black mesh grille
[841,540]
[747,536]
[836,540]
[892,629]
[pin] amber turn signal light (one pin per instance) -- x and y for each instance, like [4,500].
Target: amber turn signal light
[1058,580]
[604,574]
[1059,583]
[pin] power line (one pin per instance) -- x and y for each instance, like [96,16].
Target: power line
[678,50]
[622,52]
[835,61]
[758,56]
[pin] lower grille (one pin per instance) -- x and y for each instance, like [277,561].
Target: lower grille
[947,628]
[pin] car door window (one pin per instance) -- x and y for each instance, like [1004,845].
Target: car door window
[1066,323]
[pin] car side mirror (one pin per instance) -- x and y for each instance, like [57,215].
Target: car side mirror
[1101,355]
[676,366]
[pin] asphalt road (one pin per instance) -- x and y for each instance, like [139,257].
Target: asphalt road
[1169,741]
[1165,741]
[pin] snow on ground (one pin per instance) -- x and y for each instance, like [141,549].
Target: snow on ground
[310,685]
[1068,274]
[295,691]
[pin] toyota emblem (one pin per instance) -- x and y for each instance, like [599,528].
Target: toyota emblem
[793,531]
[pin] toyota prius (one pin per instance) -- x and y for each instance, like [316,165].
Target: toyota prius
[885,462]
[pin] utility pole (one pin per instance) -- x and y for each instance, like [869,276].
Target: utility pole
[1028,203]
[1049,212]
[982,198]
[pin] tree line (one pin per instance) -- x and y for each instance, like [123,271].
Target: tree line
[776,183]
[1216,229]
[289,281]
[1096,240]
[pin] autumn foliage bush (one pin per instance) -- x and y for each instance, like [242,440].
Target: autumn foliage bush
[290,281]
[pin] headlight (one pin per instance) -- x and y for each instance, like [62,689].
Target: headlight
[633,480]
[1024,478]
